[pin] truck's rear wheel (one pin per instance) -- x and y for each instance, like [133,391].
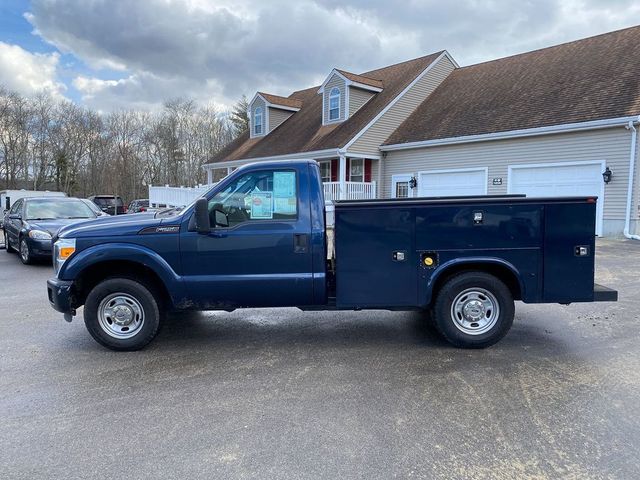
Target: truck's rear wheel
[122,314]
[474,310]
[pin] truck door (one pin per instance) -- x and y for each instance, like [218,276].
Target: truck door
[258,253]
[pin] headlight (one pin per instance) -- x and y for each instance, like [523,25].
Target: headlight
[39,235]
[62,249]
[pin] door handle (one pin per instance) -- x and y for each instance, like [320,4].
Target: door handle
[300,243]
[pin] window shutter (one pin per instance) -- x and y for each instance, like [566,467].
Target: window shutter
[348,168]
[367,170]
[334,170]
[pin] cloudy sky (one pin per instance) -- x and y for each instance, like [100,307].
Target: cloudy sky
[110,54]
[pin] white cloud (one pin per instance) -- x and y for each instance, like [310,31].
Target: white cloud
[227,48]
[27,72]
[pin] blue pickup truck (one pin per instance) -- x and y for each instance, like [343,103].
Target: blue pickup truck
[262,238]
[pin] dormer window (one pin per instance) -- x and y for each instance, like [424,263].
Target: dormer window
[334,104]
[257,121]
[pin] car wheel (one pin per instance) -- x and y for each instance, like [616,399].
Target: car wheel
[7,245]
[474,310]
[25,252]
[122,314]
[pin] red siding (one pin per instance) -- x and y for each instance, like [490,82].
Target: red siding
[367,170]
[334,170]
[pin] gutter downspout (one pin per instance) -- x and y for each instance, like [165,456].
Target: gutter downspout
[632,162]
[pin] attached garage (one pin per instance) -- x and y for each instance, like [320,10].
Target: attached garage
[560,180]
[445,183]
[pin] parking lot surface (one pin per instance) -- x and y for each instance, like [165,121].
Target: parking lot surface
[285,394]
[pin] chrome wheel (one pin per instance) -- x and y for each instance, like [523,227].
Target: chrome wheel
[475,311]
[120,315]
[24,251]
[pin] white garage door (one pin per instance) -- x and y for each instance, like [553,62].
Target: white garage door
[445,183]
[560,180]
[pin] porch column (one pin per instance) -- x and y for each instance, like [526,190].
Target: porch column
[343,177]
[209,176]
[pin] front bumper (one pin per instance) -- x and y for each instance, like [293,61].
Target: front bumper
[39,248]
[61,295]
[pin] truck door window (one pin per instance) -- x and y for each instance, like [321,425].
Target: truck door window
[258,196]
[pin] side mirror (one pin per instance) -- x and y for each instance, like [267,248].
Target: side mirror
[203,224]
[222,220]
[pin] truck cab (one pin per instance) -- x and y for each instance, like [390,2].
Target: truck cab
[260,238]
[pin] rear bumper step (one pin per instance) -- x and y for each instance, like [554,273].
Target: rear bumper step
[604,294]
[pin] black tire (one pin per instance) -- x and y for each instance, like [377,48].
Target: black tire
[474,294]
[7,246]
[25,255]
[147,302]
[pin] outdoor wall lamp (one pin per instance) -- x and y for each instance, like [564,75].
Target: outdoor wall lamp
[606,175]
[413,183]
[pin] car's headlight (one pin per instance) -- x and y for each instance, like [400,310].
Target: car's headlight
[39,235]
[62,249]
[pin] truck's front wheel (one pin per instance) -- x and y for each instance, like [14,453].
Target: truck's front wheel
[474,310]
[122,314]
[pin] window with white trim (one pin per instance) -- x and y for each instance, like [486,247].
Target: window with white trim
[402,190]
[356,170]
[325,171]
[257,121]
[334,104]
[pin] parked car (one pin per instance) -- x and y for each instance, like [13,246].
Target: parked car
[262,238]
[111,204]
[31,223]
[137,206]
[97,210]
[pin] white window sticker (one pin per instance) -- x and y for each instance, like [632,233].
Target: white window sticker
[284,184]
[261,205]
[284,206]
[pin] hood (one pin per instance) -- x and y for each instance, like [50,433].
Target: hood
[53,226]
[119,225]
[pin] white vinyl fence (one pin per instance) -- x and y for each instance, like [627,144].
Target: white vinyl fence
[175,196]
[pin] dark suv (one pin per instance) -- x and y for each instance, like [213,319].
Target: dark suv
[137,206]
[109,204]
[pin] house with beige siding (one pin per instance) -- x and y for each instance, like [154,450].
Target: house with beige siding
[559,121]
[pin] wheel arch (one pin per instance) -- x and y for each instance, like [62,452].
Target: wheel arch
[499,268]
[95,264]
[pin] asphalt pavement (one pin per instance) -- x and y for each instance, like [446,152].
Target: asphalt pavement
[282,394]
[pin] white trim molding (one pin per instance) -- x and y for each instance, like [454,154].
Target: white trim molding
[347,82]
[527,132]
[399,96]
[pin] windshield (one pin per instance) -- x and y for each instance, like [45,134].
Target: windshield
[108,201]
[56,209]
[92,206]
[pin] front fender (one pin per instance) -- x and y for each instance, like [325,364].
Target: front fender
[72,268]
[457,262]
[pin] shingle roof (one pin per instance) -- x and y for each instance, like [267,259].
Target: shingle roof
[304,132]
[372,82]
[282,101]
[590,79]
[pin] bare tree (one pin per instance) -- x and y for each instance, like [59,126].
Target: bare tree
[45,142]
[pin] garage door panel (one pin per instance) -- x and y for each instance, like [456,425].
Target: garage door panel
[580,179]
[453,183]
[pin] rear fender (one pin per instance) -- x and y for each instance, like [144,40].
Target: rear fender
[474,262]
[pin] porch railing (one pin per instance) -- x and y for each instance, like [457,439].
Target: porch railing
[181,196]
[354,190]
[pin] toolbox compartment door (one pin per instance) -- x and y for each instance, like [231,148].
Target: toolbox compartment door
[568,274]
